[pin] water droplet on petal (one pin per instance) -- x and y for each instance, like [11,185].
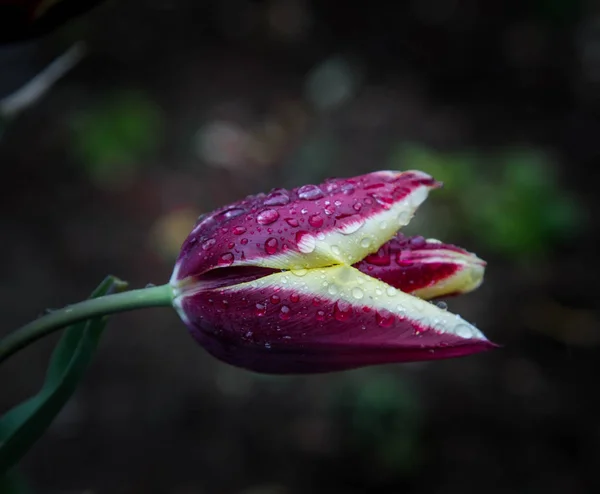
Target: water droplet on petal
[239,230]
[271,246]
[357,206]
[348,189]
[442,305]
[261,310]
[285,312]
[315,221]
[417,242]
[384,319]
[244,241]
[391,291]
[403,218]
[231,213]
[267,217]
[320,315]
[332,289]
[349,224]
[293,222]
[342,311]
[306,242]
[310,193]
[226,259]
[277,197]
[464,331]
[336,250]
[208,244]
[299,271]
[357,293]
[275,299]
[294,297]
[365,243]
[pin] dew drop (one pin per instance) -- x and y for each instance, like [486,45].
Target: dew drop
[463,330]
[332,289]
[306,242]
[271,246]
[348,189]
[383,200]
[208,244]
[261,310]
[293,222]
[226,259]
[349,224]
[310,193]
[294,297]
[357,293]
[239,230]
[275,299]
[342,311]
[315,221]
[442,305]
[244,241]
[267,217]
[403,218]
[336,250]
[320,315]
[285,312]
[329,209]
[277,197]
[384,319]
[232,213]
[417,242]
[299,271]
[391,291]
[381,258]
[383,225]
[365,243]
[357,206]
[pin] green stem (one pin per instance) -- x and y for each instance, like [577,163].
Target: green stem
[156,296]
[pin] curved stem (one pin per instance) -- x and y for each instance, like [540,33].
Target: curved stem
[156,296]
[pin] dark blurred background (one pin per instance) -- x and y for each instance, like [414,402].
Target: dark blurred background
[175,107]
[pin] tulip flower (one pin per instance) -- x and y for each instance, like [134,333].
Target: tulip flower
[318,279]
[315,279]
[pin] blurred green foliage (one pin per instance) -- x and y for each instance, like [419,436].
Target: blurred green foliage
[381,415]
[512,200]
[114,139]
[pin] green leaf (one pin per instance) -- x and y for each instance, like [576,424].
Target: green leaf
[23,425]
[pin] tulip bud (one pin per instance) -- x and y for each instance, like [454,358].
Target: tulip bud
[317,279]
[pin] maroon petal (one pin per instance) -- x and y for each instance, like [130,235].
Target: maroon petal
[426,268]
[320,320]
[338,222]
